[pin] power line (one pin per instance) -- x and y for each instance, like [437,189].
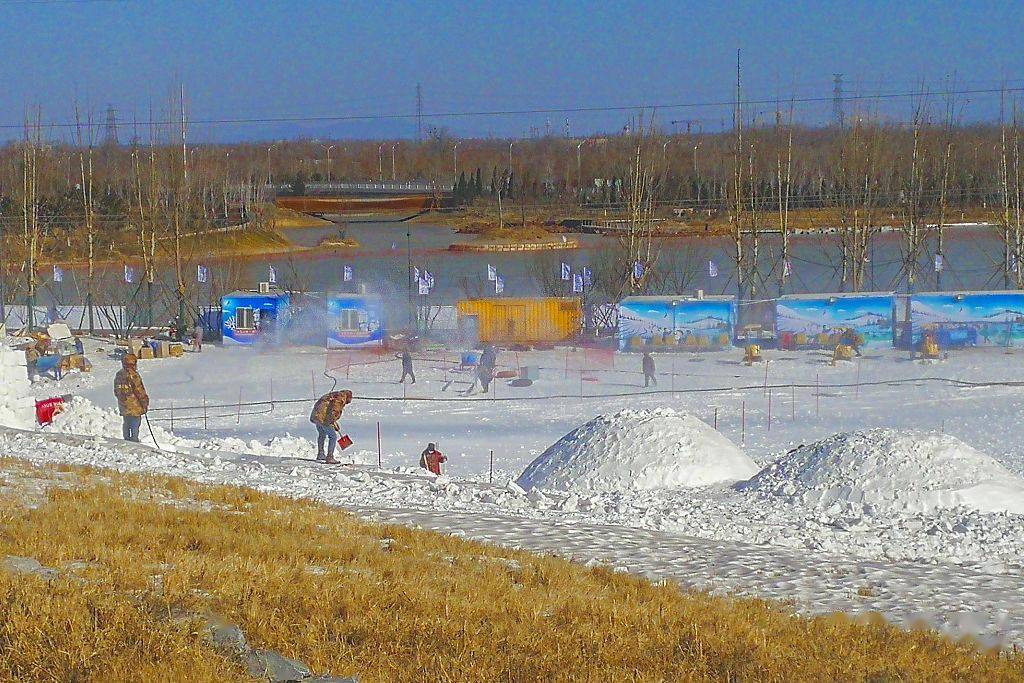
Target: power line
[328,118]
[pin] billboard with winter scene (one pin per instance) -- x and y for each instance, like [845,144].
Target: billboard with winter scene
[356,320]
[819,321]
[962,319]
[676,323]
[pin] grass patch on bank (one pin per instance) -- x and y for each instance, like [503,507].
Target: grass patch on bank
[384,603]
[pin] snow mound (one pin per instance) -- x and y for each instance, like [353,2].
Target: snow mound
[17,407]
[887,471]
[638,449]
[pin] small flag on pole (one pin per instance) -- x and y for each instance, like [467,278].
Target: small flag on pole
[565,271]
[58,274]
[787,267]
[638,270]
[394,245]
[712,269]
[492,274]
[271,275]
[129,274]
[939,264]
[424,287]
[415,273]
[347,273]
[577,283]
[428,278]
[202,274]
[588,277]
[499,285]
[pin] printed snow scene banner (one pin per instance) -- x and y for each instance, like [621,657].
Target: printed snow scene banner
[249,317]
[821,320]
[962,319]
[676,323]
[356,320]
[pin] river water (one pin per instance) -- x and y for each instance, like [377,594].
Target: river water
[972,261]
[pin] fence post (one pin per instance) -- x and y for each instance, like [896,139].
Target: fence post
[312,382]
[743,422]
[769,410]
[380,457]
[766,361]
[792,401]
[857,389]
[716,419]
[817,394]
[490,472]
[238,407]
[205,426]
[172,415]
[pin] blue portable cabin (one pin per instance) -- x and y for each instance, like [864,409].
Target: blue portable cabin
[251,317]
[670,323]
[819,320]
[356,320]
[966,319]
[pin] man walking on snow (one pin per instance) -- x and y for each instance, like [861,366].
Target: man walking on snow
[407,367]
[132,399]
[648,367]
[432,458]
[326,413]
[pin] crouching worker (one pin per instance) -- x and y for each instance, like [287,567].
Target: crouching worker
[326,413]
[432,458]
[132,399]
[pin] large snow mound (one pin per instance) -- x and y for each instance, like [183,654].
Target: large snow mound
[887,470]
[638,449]
[17,407]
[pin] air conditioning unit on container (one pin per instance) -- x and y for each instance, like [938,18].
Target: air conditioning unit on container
[264,288]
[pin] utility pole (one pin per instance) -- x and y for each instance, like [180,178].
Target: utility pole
[393,177]
[455,159]
[408,258]
[419,113]
[838,117]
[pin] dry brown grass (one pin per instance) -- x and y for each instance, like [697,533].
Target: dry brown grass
[392,603]
[282,218]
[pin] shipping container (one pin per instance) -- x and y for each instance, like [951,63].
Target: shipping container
[520,321]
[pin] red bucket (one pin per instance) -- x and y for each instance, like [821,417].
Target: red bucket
[344,441]
[47,408]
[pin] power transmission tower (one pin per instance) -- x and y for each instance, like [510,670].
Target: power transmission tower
[419,113]
[837,101]
[110,135]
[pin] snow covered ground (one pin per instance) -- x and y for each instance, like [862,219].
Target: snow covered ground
[958,566]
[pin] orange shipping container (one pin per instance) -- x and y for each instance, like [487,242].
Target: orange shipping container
[521,321]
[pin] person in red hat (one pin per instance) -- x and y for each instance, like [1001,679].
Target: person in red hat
[431,459]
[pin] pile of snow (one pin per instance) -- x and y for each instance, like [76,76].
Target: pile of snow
[638,449]
[887,471]
[17,407]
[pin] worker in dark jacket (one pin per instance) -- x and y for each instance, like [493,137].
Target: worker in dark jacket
[648,367]
[326,413]
[132,399]
[407,367]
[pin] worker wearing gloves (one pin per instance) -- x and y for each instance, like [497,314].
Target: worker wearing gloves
[326,413]
[431,459]
[132,399]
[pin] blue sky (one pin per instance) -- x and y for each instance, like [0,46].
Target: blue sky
[253,59]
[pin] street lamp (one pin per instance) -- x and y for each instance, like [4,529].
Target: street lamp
[380,162]
[510,156]
[270,177]
[393,177]
[329,162]
[455,158]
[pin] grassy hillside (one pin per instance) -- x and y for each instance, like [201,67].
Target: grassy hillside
[138,555]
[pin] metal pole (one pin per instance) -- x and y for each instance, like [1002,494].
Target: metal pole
[205,425]
[490,473]
[743,422]
[380,457]
[413,323]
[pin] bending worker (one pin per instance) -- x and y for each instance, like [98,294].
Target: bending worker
[326,413]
